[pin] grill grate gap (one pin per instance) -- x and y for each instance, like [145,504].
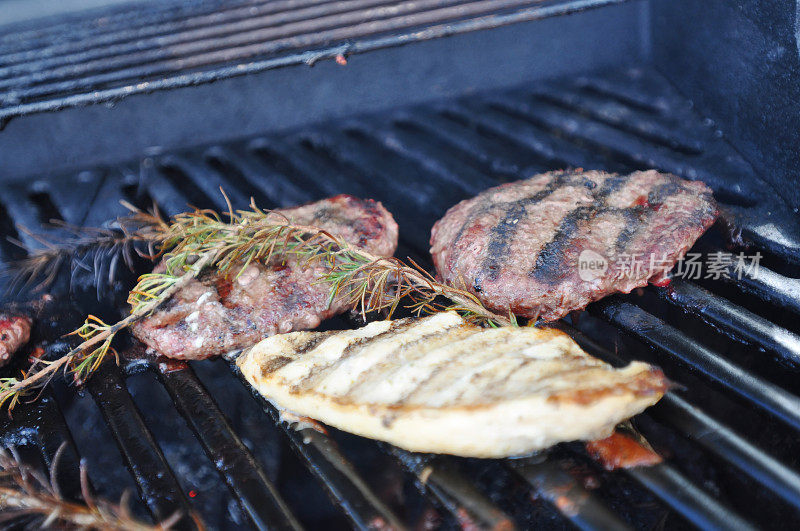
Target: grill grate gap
[284,167]
[138,196]
[508,147]
[8,229]
[622,120]
[328,157]
[609,159]
[178,178]
[234,176]
[417,129]
[607,90]
[731,197]
[566,126]
[46,210]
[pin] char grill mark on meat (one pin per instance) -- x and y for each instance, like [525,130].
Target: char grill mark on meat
[638,215]
[550,264]
[506,230]
[517,246]
[312,378]
[214,313]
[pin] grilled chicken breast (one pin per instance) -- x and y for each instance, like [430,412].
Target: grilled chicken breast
[441,385]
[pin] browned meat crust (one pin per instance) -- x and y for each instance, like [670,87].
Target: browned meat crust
[621,451]
[214,314]
[517,246]
[15,330]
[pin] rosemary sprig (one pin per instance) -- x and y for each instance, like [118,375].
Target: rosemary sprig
[24,491]
[370,282]
[91,249]
[85,359]
[198,239]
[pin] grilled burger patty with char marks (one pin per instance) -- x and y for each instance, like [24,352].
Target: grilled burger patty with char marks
[517,246]
[441,385]
[214,314]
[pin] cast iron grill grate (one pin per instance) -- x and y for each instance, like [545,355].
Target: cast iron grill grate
[728,430]
[92,60]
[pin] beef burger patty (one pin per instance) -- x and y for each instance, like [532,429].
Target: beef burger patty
[553,243]
[215,313]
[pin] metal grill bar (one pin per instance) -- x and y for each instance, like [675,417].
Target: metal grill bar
[50,440]
[572,500]
[714,436]
[113,22]
[277,189]
[442,477]
[238,44]
[733,318]
[670,340]
[157,485]
[244,476]
[135,37]
[771,287]
[333,469]
[432,158]
[698,507]
[724,442]
[302,168]
[25,427]
[661,130]
[197,174]
[357,38]
[633,150]
[556,153]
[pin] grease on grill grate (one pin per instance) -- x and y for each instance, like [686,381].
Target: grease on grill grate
[728,430]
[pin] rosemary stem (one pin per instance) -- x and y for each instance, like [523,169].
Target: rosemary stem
[141,312]
[441,289]
[83,517]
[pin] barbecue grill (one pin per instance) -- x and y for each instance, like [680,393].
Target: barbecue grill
[418,104]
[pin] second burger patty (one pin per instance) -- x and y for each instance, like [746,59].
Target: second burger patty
[553,243]
[217,313]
